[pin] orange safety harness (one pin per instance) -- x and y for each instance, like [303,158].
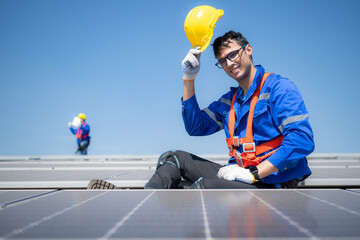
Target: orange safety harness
[248,157]
[80,131]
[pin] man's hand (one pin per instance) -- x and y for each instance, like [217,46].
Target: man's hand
[234,172]
[69,124]
[191,64]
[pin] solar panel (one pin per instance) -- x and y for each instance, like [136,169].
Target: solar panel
[171,214]
[185,214]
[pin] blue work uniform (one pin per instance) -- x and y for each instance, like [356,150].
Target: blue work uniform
[84,131]
[280,110]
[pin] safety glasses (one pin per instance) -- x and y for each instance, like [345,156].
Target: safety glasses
[231,56]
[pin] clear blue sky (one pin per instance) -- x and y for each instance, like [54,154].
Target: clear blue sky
[119,62]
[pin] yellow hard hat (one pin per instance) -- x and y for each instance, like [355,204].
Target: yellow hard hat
[199,25]
[81,115]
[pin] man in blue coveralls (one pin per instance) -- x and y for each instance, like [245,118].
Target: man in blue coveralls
[280,113]
[265,120]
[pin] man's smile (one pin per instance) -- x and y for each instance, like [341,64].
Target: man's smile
[235,69]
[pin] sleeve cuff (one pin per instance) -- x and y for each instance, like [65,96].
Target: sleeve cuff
[278,162]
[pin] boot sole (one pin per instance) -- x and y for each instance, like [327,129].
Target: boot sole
[100,184]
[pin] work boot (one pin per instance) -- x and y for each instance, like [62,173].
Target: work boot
[100,184]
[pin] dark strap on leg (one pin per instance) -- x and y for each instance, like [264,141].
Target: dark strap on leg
[198,184]
[168,157]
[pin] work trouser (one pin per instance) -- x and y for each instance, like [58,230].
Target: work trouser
[201,172]
[82,147]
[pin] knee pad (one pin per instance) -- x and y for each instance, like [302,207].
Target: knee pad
[170,157]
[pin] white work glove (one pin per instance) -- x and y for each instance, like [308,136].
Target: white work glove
[69,124]
[235,173]
[191,64]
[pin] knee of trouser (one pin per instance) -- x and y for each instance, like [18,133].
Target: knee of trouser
[169,157]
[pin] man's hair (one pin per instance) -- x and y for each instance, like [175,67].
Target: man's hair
[224,40]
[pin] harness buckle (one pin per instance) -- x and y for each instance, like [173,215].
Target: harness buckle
[236,141]
[247,149]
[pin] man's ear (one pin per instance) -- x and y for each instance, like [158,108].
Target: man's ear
[248,49]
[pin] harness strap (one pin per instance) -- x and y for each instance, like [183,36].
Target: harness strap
[80,131]
[248,157]
[260,149]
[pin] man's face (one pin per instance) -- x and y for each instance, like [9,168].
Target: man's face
[240,67]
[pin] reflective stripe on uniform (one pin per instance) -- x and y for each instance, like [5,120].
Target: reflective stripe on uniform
[264,96]
[226,101]
[212,116]
[292,120]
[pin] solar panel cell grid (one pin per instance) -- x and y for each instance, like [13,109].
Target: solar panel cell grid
[317,211]
[185,214]
[54,213]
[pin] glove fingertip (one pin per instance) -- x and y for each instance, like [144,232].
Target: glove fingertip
[196,51]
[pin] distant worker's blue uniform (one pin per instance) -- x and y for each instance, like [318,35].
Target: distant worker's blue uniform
[280,110]
[83,137]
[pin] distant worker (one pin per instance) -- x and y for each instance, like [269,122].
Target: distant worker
[81,130]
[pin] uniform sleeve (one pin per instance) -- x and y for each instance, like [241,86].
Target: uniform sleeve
[200,122]
[73,131]
[292,119]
